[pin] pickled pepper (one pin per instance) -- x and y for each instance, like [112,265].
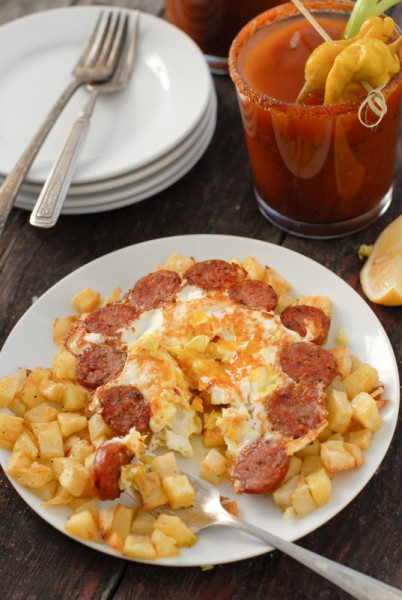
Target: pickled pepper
[341,70]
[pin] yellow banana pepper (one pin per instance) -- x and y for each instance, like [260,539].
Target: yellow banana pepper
[336,69]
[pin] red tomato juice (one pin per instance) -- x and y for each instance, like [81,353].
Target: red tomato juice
[314,164]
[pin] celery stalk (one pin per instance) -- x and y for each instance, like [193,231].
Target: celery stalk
[362,10]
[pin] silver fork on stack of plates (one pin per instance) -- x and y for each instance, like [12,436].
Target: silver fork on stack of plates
[49,204]
[97,63]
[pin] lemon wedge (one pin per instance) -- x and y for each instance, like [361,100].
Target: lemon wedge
[381,276]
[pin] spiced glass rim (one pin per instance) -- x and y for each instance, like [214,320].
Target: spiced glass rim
[280,13]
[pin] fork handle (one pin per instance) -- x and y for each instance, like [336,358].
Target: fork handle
[14,180]
[357,584]
[49,204]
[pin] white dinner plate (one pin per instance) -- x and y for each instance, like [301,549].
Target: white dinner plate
[174,163]
[167,94]
[130,194]
[367,340]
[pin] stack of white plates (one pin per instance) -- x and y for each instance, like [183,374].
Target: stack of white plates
[140,141]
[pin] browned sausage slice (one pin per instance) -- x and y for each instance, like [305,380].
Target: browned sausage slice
[295,409]
[297,317]
[254,294]
[108,319]
[154,289]
[214,274]
[308,362]
[105,470]
[98,364]
[124,407]
[260,467]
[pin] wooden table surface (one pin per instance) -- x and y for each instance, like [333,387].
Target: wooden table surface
[38,562]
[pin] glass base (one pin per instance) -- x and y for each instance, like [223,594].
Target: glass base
[218,65]
[324,230]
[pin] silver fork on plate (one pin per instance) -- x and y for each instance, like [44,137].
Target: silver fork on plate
[96,63]
[49,204]
[208,510]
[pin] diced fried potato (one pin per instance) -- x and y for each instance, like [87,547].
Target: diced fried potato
[283,494]
[363,379]
[16,461]
[320,486]
[61,496]
[105,518]
[75,397]
[311,464]
[64,365]
[338,455]
[98,428]
[254,269]
[85,301]
[90,505]
[178,262]
[324,434]
[212,438]
[47,491]
[58,464]
[361,438]
[302,500]
[174,527]
[179,490]
[38,374]
[165,465]
[61,326]
[294,467]
[365,411]
[80,450]
[8,389]
[52,390]
[43,413]
[143,523]
[10,427]
[213,467]
[122,519]
[34,476]
[136,546]
[284,300]
[71,422]
[276,281]
[83,525]
[339,411]
[75,478]
[50,441]
[18,407]
[26,445]
[164,545]
[311,449]
[31,395]
[343,360]
[151,490]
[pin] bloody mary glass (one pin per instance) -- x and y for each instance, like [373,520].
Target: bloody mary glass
[213,24]
[317,170]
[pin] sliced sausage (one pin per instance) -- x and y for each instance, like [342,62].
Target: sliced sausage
[98,364]
[260,467]
[124,407]
[108,319]
[105,470]
[300,317]
[295,409]
[214,274]
[154,289]
[254,294]
[308,362]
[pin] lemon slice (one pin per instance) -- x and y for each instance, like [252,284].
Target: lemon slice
[381,276]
